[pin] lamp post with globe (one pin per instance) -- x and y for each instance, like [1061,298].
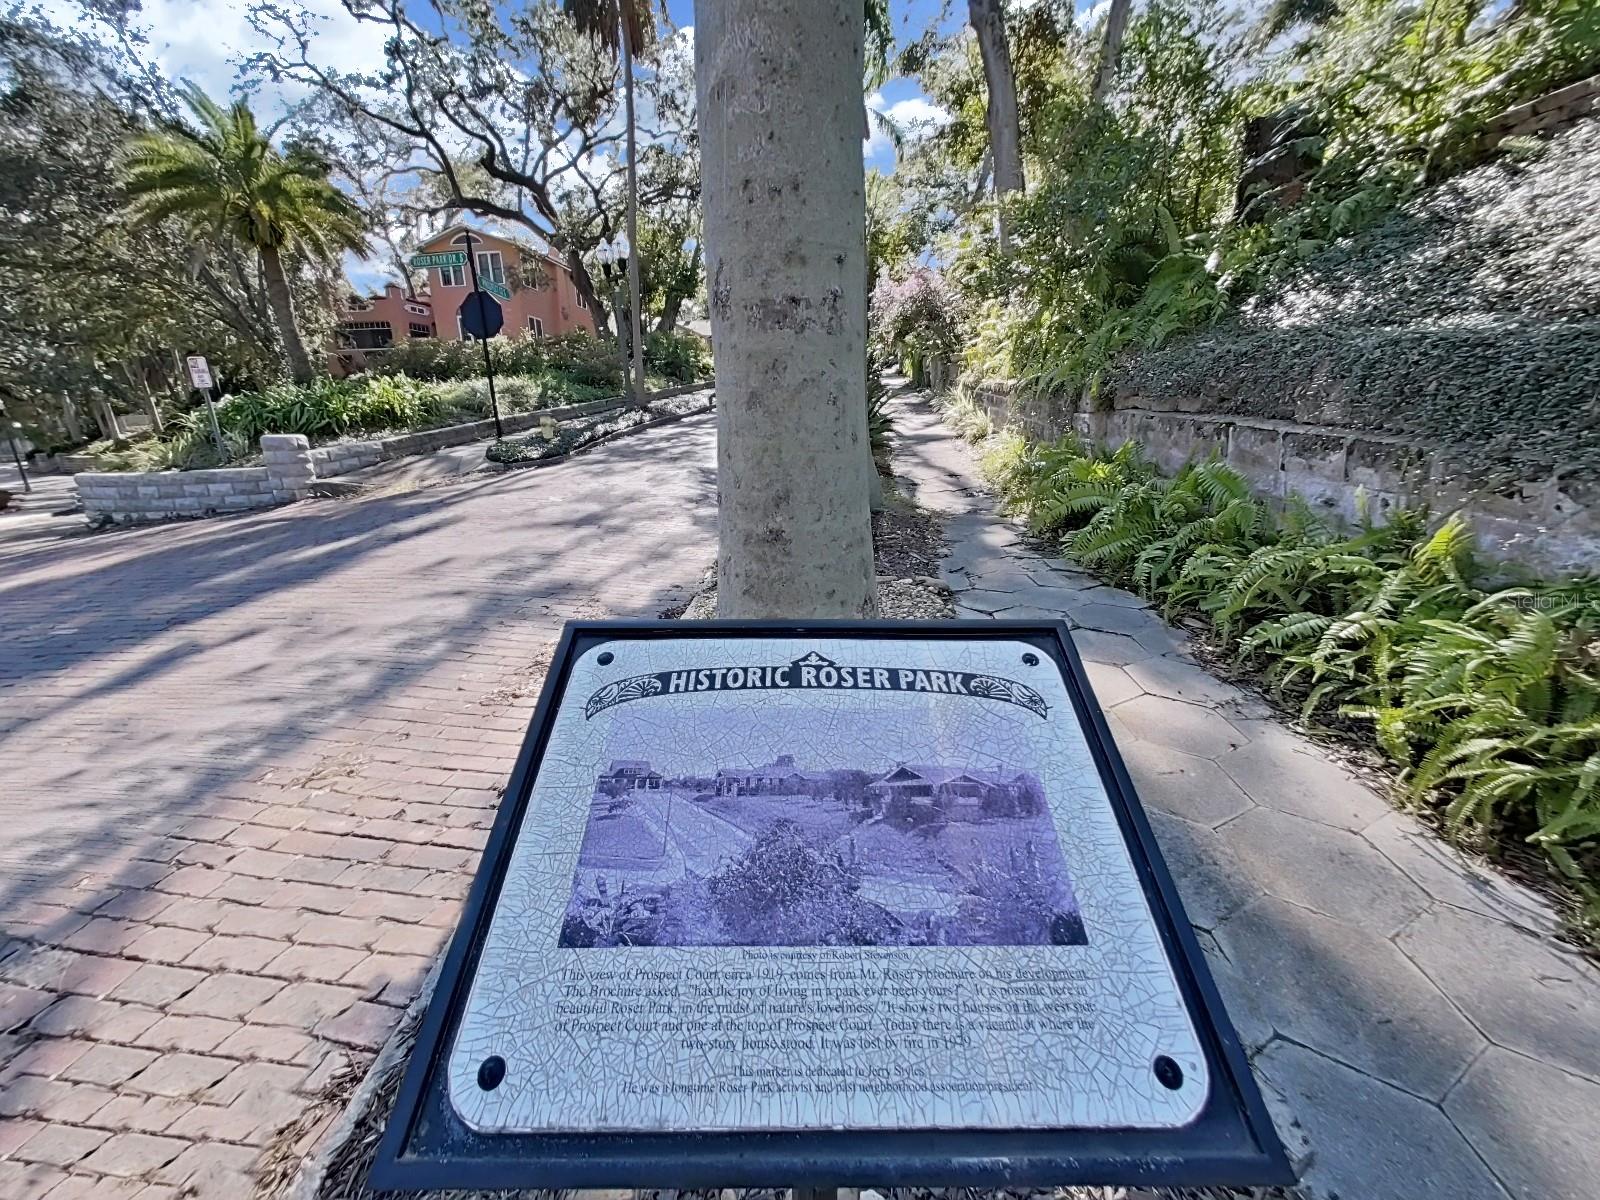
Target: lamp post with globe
[610,254]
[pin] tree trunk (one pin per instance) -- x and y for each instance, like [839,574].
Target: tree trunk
[635,330]
[778,84]
[584,283]
[141,385]
[668,321]
[1110,50]
[1005,130]
[673,303]
[69,418]
[283,313]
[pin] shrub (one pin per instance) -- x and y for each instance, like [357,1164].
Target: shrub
[879,423]
[679,356]
[579,357]
[1487,697]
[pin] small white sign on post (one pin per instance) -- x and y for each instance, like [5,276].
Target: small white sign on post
[200,376]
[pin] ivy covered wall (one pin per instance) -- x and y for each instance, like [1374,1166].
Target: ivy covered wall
[1469,319]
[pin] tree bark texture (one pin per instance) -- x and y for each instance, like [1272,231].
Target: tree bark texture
[282,304]
[1110,50]
[1005,131]
[636,371]
[779,92]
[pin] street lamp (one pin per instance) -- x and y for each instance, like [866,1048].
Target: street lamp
[13,429]
[610,253]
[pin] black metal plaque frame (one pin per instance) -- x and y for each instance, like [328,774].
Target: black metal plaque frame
[1231,1141]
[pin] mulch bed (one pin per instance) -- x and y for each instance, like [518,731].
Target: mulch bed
[907,541]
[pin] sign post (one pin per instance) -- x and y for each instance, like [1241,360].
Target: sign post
[476,316]
[488,367]
[12,429]
[200,376]
[820,904]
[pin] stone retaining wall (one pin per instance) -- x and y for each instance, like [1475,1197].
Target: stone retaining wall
[1547,522]
[129,498]
[1557,110]
[343,457]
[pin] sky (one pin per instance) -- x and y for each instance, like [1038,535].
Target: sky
[205,42]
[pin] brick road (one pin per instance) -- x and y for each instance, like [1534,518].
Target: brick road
[248,767]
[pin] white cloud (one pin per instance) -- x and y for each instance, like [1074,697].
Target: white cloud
[916,115]
[1091,16]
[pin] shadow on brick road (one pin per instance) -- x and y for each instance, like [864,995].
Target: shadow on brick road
[266,637]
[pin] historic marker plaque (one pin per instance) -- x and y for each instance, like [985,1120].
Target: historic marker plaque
[846,887]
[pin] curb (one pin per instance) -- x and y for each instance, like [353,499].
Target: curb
[313,1172]
[603,439]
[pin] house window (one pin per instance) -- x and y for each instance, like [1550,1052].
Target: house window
[453,276]
[365,335]
[420,331]
[582,303]
[536,326]
[491,266]
[419,310]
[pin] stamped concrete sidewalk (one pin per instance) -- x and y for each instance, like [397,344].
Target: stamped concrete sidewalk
[1416,1029]
[246,769]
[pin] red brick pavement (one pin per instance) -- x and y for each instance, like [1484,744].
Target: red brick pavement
[248,767]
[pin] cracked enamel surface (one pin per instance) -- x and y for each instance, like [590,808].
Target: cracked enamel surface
[725,1037]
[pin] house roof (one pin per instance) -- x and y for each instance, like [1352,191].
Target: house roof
[629,764]
[934,774]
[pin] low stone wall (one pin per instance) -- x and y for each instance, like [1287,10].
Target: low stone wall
[128,498]
[1555,110]
[343,457]
[1547,522]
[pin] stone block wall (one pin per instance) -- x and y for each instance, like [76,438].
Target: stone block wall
[1547,522]
[1555,110]
[343,457]
[128,498]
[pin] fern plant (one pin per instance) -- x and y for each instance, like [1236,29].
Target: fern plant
[1501,708]
[1148,529]
[1489,700]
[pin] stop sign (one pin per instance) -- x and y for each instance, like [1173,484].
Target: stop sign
[480,315]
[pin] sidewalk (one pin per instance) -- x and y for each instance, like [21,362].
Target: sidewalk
[1417,1031]
[48,510]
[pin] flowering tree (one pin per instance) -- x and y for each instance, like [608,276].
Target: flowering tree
[916,320]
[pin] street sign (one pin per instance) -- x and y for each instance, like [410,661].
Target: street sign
[199,372]
[444,258]
[820,904]
[494,289]
[481,315]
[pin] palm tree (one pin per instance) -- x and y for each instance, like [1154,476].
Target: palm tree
[226,178]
